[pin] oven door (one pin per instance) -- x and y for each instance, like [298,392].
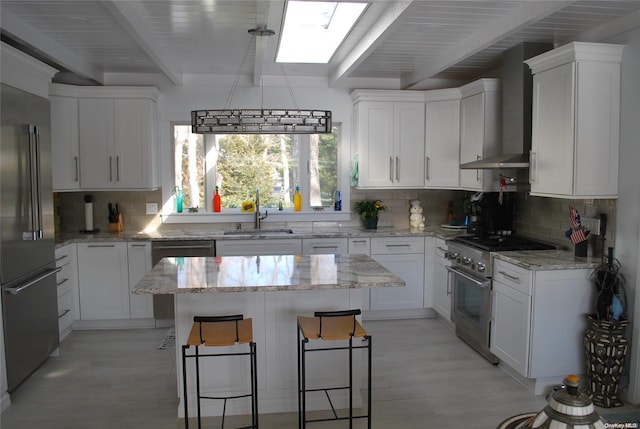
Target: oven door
[471,310]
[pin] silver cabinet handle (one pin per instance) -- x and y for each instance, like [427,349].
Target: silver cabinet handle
[532,166]
[138,245]
[117,168]
[426,167]
[397,245]
[64,280]
[61,258]
[201,246]
[441,249]
[75,161]
[325,247]
[391,169]
[101,245]
[110,169]
[359,241]
[17,290]
[509,276]
[397,169]
[64,313]
[478,157]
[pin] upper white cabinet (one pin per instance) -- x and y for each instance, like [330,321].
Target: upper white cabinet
[442,138]
[576,119]
[480,127]
[65,158]
[116,133]
[389,138]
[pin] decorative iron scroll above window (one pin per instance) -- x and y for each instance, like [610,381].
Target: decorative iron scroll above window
[260,121]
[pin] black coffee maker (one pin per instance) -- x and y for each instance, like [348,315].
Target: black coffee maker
[491,213]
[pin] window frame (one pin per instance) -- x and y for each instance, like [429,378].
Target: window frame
[304,166]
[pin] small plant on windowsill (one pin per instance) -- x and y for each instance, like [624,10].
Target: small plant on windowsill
[368,211]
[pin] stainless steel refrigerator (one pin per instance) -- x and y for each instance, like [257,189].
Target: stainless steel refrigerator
[27,268]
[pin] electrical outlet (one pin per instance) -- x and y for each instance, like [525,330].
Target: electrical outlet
[591,224]
[152,208]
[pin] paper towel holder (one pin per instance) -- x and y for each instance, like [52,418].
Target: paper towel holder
[88,216]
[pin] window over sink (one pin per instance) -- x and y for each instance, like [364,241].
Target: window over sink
[239,164]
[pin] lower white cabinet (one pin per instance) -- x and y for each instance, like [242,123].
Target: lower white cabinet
[538,321]
[404,256]
[67,285]
[104,280]
[441,284]
[139,264]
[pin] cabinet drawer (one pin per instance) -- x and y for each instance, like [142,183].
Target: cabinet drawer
[359,246]
[63,256]
[318,246]
[441,248]
[63,279]
[64,305]
[513,276]
[397,245]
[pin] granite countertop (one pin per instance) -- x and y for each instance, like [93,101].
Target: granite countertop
[539,260]
[219,234]
[265,273]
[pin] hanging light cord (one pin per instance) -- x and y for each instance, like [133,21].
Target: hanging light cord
[236,80]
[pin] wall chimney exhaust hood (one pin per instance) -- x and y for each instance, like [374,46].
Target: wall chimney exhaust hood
[517,95]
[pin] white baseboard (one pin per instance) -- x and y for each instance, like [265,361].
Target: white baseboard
[411,313]
[114,324]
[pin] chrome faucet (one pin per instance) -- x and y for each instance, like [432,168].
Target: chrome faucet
[258,216]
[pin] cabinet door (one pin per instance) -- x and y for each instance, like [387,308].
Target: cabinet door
[319,246]
[552,149]
[471,139]
[409,267]
[442,128]
[134,152]
[96,133]
[65,161]
[375,144]
[103,281]
[511,326]
[139,264]
[441,283]
[408,158]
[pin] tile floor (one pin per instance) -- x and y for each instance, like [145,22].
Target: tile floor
[424,377]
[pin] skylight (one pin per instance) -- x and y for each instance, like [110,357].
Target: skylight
[312,31]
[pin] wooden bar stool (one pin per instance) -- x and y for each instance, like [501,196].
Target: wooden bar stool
[331,326]
[220,331]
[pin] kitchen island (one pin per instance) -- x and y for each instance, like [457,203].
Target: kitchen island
[272,290]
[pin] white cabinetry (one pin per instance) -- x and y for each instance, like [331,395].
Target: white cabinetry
[480,132]
[538,322]
[103,280]
[286,246]
[65,158]
[576,120]
[404,256]
[442,138]
[389,136]
[359,246]
[67,283]
[319,246]
[441,283]
[116,133]
[139,264]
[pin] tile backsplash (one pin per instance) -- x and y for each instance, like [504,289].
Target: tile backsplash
[540,218]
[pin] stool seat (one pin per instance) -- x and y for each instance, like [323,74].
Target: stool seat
[221,334]
[333,328]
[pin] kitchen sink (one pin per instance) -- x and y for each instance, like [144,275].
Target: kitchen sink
[259,232]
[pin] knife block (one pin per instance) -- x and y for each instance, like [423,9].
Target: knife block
[116,226]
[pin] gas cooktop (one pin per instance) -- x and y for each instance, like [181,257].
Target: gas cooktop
[494,243]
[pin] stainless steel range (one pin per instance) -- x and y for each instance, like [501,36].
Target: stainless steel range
[470,276]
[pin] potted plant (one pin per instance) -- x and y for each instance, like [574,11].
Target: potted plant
[368,211]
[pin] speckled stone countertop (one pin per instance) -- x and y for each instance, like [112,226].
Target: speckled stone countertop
[219,234]
[542,260]
[265,273]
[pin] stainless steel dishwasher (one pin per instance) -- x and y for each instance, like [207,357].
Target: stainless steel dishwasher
[163,304]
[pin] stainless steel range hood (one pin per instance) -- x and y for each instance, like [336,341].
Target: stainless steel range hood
[517,94]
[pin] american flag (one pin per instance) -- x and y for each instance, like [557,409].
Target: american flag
[575,218]
[578,236]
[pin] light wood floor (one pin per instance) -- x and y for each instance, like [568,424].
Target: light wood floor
[424,377]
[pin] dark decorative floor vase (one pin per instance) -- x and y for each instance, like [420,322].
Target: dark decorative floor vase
[605,349]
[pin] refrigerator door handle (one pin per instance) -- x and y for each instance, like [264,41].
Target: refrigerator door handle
[16,290]
[35,184]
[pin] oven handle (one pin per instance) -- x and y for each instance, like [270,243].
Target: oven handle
[477,282]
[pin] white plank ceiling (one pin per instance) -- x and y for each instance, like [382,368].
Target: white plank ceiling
[411,44]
